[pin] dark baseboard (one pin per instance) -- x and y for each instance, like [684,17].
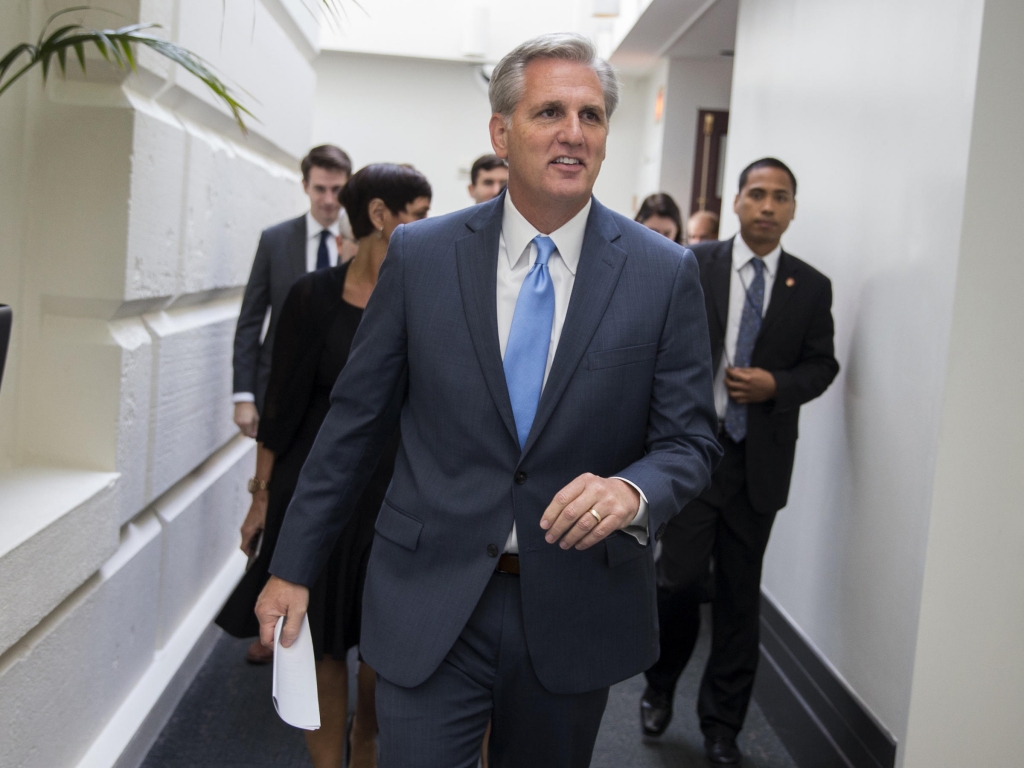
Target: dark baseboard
[5,335]
[812,711]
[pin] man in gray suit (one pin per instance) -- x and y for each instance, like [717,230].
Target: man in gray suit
[286,252]
[550,362]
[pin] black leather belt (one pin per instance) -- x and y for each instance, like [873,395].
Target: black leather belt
[508,563]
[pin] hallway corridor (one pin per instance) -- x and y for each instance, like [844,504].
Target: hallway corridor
[226,720]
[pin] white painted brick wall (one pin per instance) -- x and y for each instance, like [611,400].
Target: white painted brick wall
[158,172]
[191,409]
[61,683]
[134,413]
[230,197]
[201,524]
[142,221]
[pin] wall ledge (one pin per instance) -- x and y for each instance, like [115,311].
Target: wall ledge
[155,97]
[49,516]
[32,498]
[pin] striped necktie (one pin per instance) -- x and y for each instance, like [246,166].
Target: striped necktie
[750,325]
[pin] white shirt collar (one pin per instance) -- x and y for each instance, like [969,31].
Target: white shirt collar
[518,234]
[313,227]
[741,256]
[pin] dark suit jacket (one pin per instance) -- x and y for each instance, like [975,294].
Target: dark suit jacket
[629,394]
[794,344]
[280,261]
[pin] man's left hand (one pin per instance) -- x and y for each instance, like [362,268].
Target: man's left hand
[568,516]
[749,385]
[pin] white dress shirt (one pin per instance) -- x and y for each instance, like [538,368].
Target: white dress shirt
[516,256]
[740,277]
[313,230]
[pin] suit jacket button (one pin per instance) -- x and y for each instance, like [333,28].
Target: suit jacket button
[520,478]
[492,550]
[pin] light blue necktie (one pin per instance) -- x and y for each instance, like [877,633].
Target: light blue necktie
[526,354]
[750,326]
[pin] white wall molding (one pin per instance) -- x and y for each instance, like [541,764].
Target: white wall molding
[145,710]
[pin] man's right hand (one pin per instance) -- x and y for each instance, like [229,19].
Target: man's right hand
[247,419]
[281,598]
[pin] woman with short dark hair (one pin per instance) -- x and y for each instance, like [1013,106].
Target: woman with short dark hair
[314,336]
[660,213]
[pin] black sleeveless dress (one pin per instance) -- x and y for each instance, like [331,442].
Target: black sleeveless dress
[313,339]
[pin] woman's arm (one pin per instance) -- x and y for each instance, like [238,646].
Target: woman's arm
[256,519]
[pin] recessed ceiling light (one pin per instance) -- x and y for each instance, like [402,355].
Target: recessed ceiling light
[605,9]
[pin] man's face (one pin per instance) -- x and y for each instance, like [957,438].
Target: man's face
[323,186]
[700,229]
[489,184]
[765,207]
[555,142]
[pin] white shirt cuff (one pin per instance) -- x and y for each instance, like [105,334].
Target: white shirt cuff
[245,397]
[638,528]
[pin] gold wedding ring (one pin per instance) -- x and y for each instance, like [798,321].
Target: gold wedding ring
[596,516]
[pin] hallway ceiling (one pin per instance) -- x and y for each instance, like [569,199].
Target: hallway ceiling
[678,29]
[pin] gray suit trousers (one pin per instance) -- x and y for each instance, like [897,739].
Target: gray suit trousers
[487,675]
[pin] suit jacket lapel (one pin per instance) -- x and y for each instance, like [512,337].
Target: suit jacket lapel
[718,281]
[477,259]
[597,274]
[297,247]
[782,289]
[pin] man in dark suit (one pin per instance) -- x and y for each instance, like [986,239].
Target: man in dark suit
[286,252]
[770,324]
[551,363]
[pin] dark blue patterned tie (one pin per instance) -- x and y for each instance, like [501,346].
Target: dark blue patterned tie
[750,325]
[526,353]
[323,260]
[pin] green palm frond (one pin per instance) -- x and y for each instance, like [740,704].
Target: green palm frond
[115,45]
[333,10]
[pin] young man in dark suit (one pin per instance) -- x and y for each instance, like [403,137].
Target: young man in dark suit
[488,178]
[286,252]
[770,323]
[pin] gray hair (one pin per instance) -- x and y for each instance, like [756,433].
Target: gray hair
[507,80]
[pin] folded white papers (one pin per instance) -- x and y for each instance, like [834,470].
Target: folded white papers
[294,686]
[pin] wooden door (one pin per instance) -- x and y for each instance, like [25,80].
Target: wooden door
[709,161]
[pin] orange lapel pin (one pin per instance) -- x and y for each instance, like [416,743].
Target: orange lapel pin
[790,282]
